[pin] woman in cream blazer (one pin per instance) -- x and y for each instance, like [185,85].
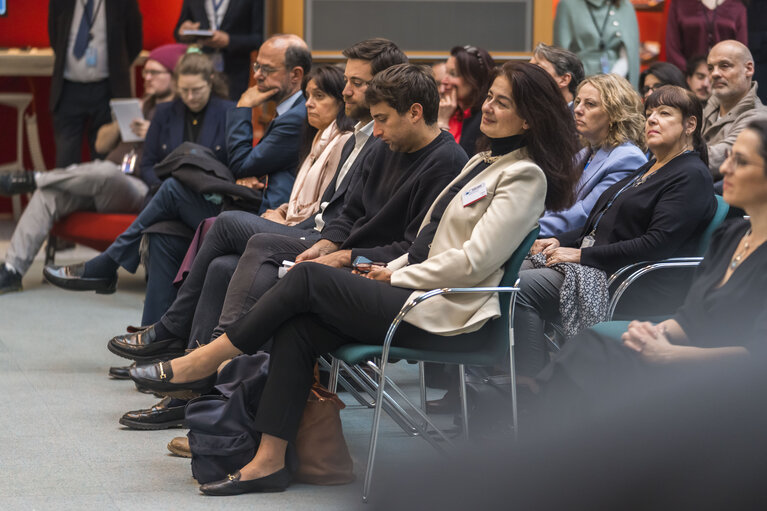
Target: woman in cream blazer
[470,231]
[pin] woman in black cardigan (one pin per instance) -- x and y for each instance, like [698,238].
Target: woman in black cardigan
[660,211]
[723,320]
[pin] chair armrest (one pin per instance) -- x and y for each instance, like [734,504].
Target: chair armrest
[410,305]
[640,269]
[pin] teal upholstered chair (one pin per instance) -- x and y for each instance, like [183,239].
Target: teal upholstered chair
[486,347]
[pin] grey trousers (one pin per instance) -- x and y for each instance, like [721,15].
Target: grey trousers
[537,302]
[94,186]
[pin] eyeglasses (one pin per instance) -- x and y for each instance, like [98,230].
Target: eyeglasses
[736,160]
[650,88]
[147,73]
[265,70]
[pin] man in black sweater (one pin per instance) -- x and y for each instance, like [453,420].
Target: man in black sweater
[387,199]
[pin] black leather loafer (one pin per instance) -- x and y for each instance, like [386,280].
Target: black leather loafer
[160,416]
[120,372]
[14,183]
[232,485]
[144,346]
[156,377]
[71,277]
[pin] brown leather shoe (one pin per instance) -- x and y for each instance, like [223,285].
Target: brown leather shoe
[179,446]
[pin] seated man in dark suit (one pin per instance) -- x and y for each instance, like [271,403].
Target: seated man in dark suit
[276,155]
[388,195]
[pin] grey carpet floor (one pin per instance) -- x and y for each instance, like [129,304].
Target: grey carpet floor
[61,446]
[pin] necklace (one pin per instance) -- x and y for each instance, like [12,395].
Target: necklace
[648,174]
[490,159]
[738,258]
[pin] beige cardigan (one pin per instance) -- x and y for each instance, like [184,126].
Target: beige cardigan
[472,244]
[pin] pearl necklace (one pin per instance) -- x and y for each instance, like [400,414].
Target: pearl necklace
[738,258]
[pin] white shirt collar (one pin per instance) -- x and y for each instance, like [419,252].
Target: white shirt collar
[288,102]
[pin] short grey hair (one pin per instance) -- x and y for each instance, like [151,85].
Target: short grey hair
[564,62]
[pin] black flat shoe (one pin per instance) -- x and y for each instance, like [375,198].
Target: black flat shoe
[120,372]
[160,416]
[71,277]
[156,377]
[232,485]
[144,346]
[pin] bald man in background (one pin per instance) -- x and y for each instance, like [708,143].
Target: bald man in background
[733,104]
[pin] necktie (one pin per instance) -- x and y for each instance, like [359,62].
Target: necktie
[84,32]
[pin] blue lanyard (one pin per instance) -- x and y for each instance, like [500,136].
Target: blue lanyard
[611,201]
[216,7]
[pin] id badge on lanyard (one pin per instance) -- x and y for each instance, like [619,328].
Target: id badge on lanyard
[91,56]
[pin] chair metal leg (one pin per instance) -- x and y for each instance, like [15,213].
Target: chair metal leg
[422,384]
[374,431]
[334,370]
[464,403]
[512,366]
[391,407]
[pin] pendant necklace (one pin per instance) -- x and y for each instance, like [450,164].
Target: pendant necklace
[738,258]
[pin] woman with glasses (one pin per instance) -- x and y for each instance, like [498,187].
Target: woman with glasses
[197,115]
[658,211]
[469,233]
[469,71]
[659,74]
[724,317]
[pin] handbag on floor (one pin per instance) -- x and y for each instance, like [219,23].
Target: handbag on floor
[323,457]
[222,437]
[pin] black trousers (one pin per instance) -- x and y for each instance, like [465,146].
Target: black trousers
[195,311]
[81,106]
[311,311]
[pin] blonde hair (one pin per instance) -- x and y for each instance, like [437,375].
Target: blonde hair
[624,108]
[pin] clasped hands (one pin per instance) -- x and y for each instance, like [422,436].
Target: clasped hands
[650,341]
[554,253]
[326,252]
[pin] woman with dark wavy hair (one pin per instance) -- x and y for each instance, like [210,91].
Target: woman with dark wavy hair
[469,72]
[658,211]
[463,242]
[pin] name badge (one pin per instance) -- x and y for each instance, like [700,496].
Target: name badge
[588,241]
[91,57]
[474,194]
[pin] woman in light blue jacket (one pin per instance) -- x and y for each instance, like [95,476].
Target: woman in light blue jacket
[609,118]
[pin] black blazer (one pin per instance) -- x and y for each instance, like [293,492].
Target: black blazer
[663,217]
[124,41]
[244,22]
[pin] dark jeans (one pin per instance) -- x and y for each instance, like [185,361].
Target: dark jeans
[81,106]
[165,253]
[199,302]
[311,311]
[173,201]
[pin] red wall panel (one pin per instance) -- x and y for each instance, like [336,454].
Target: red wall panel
[26,25]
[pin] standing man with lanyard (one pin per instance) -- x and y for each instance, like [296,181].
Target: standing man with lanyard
[238,29]
[94,43]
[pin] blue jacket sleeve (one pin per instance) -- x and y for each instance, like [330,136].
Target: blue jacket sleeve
[616,168]
[276,151]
